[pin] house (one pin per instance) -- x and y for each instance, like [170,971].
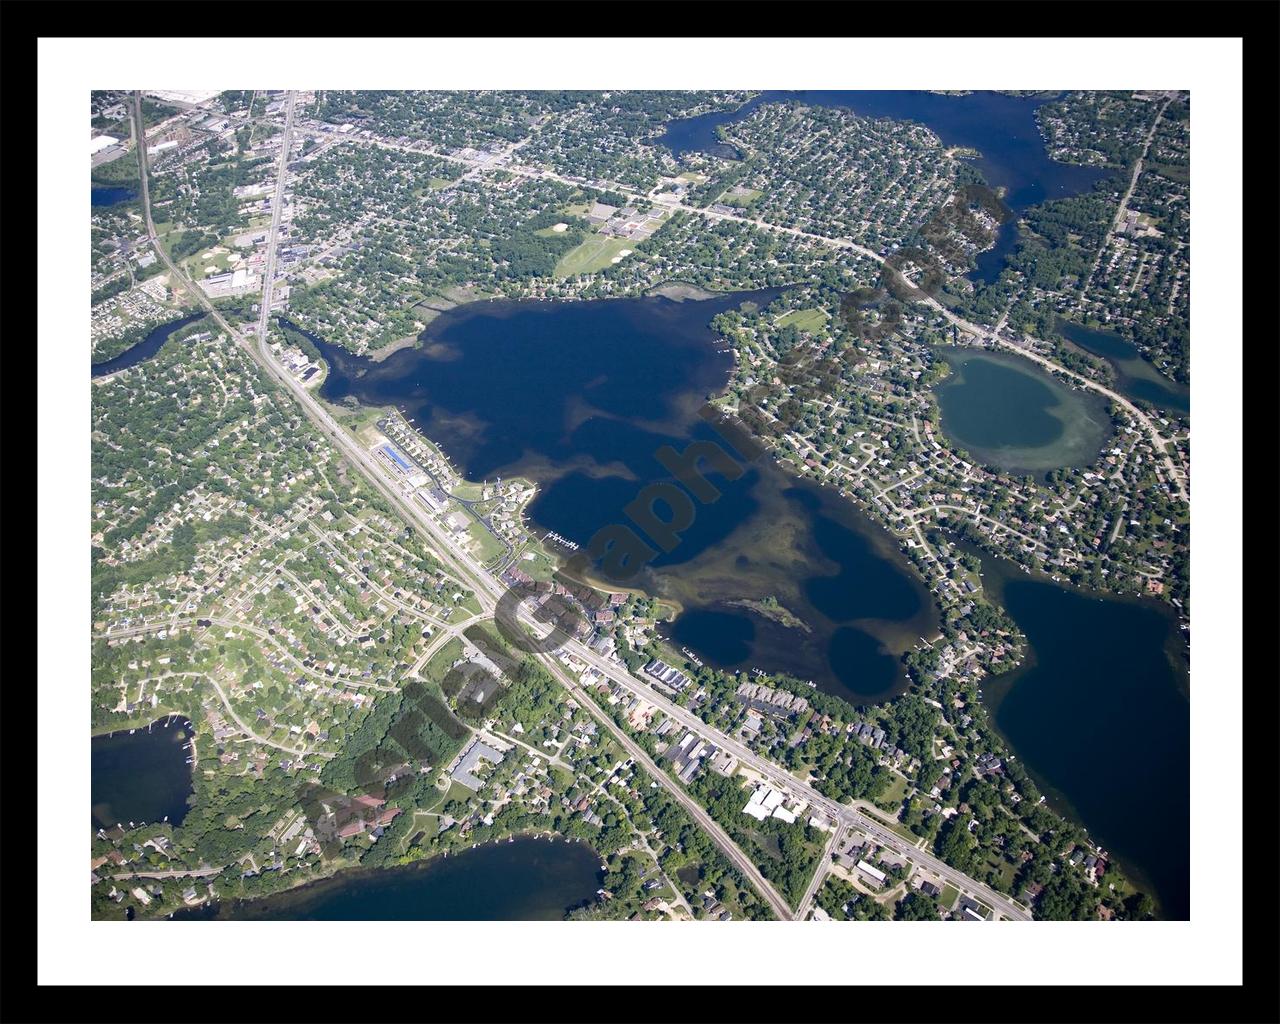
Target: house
[351,828]
[666,674]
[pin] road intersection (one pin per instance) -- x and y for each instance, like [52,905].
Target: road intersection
[489,590]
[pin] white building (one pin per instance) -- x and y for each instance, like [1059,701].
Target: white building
[767,801]
[100,142]
[193,96]
[871,872]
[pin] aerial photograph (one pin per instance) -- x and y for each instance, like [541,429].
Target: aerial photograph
[639,505]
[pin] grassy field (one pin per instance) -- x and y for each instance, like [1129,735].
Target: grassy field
[362,421]
[440,663]
[197,267]
[894,795]
[808,320]
[488,546]
[596,253]
[664,610]
[540,566]
[746,199]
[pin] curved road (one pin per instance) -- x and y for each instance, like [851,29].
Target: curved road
[488,590]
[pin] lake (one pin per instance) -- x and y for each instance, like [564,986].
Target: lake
[143,775]
[143,350]
[579,396]
[527,879]
[825,563]
[1100,716]
[103,195]
[1138,379]
[1002,128]
[1009,414]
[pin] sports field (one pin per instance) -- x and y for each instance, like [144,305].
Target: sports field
[596,253]
[807,320]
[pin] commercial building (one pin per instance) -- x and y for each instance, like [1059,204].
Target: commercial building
[767,802]
[463,771]
[237,282]
[872,872]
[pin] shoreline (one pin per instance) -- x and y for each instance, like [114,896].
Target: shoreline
[681,291]
[355,870]
[380,354]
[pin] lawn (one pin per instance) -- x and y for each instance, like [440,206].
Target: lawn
[438,667]
[593,255]
[748,197]
[488,546]
[464,609]
[1003,868]
[807,320]
[467,490]
[540,566]
[363,421]
[949,896]
[892,798]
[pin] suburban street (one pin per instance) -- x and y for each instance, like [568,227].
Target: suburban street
[1022,345]
[489,589]
[819,875]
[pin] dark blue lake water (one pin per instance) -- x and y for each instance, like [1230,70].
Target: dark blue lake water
[579,396]
[1002,128]
[102,195]
[1137,378]
[141,776]
[525,880]
[1100,716]
[143,350]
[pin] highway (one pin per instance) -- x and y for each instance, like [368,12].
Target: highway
[488,590]
[779,777]
[1128,194]
[1177,476]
